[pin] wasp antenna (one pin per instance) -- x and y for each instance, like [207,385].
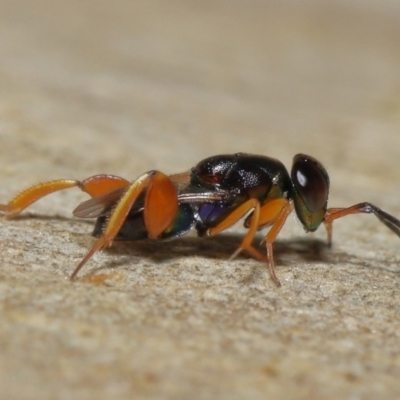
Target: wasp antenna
[391,222]
[363,208]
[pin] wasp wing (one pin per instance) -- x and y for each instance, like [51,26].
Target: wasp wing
[187,193]
[96,206]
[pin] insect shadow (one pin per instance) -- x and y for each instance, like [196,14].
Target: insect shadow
[287,252]
[219,248]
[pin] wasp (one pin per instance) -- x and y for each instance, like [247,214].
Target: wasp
[209,198]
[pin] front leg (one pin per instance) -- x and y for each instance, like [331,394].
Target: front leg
[273,212]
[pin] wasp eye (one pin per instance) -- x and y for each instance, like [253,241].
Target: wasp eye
[311,182]
[311,190]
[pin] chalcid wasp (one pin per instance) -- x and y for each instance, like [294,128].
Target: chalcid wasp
[210,198]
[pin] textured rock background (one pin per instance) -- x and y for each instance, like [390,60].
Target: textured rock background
[123,87]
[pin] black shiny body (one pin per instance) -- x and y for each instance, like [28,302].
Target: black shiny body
[242,176]
[215,187]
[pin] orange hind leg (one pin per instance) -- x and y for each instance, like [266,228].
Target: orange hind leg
[94,186]
[160,208]
[161,203]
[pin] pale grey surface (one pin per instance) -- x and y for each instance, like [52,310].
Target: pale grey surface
[124,87]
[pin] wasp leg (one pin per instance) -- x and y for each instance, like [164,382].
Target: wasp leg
[94,186]
[275,211]
[270,211]
[161,205]
[277,224]
[365,208]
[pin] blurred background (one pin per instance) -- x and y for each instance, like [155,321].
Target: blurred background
[122,87]
[149,84]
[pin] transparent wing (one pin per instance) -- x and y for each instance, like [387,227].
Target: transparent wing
[96,206]
[187,193]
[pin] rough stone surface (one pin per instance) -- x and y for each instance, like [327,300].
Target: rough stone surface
[127,86]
